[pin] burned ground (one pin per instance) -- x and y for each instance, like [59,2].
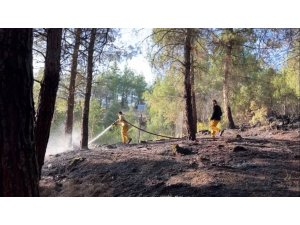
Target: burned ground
[267,164]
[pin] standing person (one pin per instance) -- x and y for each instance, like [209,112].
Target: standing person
[215,119]
[124,128]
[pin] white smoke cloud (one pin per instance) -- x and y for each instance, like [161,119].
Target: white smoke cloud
[58,142]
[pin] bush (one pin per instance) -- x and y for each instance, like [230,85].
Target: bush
[259,117]
[202,126]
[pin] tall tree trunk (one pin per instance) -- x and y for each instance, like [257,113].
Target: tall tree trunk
[86,109]
[48,92]
[187,86]
[227,70]
[70,109]
[193,95]
[18,164]
[123,100]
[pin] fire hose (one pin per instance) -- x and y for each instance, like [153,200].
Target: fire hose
[108,128]
[159,135]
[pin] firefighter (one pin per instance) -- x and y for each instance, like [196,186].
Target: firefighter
[124,128]
[215,119]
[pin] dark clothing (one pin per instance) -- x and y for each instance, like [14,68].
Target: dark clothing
[217,113]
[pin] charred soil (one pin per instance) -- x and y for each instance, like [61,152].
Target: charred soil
[255,162]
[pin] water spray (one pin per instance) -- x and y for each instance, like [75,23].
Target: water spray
[99,135]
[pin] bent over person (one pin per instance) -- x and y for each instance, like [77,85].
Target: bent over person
[124,128]
[215,119]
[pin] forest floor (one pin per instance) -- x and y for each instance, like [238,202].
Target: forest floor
[255,162]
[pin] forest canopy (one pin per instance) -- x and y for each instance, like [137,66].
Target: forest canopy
[252,72]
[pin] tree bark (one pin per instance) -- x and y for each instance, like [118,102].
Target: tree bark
[86,109]
[18,164]
[187,86]
[227,71]
[70,109]
[193,95]
[48,92]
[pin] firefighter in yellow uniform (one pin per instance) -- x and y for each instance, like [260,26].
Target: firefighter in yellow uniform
[215,119]
[124,128]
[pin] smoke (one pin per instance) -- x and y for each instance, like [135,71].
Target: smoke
[76,137]
[58,142]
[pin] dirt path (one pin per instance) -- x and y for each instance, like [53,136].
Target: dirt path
[268,165]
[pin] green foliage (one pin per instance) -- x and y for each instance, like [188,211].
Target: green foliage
[111,114]
[291,75]
[202,126]
[165,99]
[165,104]
[95,117]
[260,114]
[125,87]
[256,87]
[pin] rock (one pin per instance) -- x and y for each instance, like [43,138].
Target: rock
[75,161]
[49,166]
[238,136]
[183,151]
[111,146]
[239,149]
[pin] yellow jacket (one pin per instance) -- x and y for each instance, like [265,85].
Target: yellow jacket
[122,121]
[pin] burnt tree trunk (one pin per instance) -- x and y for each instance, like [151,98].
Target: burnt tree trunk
[227,71]
[18,165]
[187,86]
[48,92]
[86,108]
[70,105]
